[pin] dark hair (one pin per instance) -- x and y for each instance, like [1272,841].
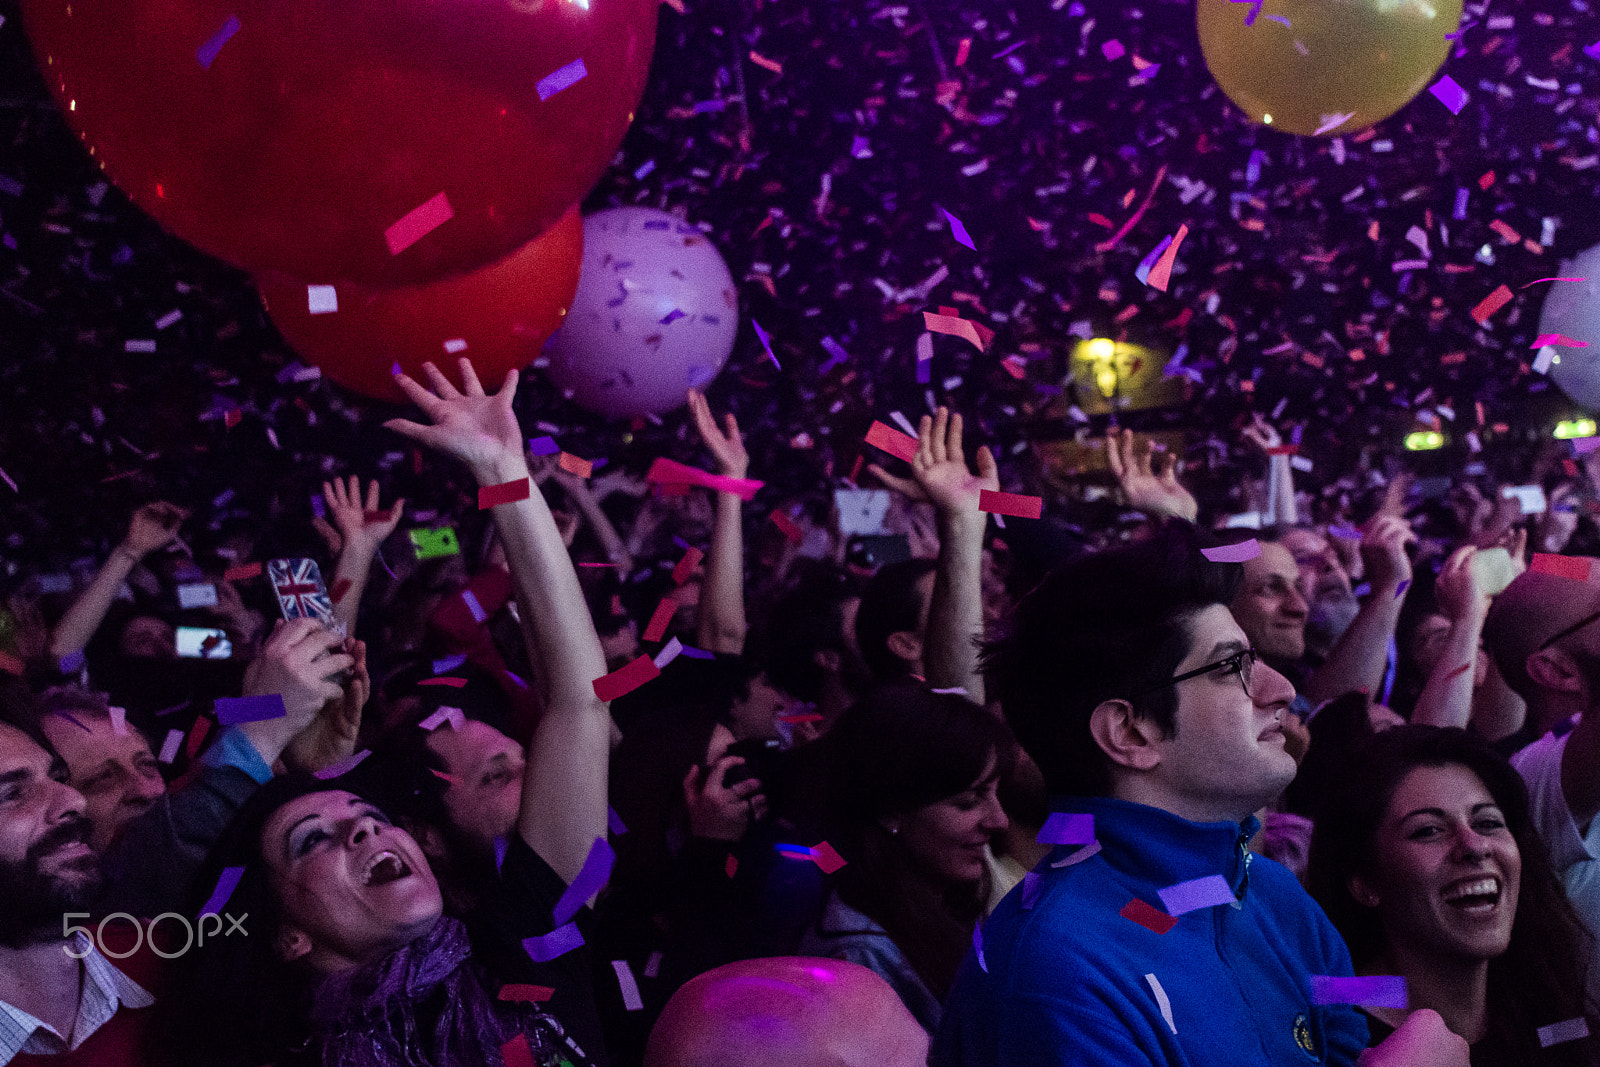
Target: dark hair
[804,622]
[234,1001]
[889,605]
[899,749]
[1541,978]
[1338,732]
[1104,626]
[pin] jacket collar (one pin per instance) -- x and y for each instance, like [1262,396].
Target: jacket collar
[1155,846]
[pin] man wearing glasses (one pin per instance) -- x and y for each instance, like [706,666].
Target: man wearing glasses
[1151,935]
[1544,634]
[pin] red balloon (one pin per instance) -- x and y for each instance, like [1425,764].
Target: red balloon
[296,135]
[499,316]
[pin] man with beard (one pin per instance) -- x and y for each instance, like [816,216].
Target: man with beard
[60,998]
[1544,635]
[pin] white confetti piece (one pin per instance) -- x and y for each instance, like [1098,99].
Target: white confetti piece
[321,299]
[630,988]
[1162,1002]
[169,747]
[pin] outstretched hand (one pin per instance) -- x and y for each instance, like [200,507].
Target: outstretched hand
[153,526]
[475,427]
[940,467]
[1151,489]
[355,522]
[726,447]
[1262,434]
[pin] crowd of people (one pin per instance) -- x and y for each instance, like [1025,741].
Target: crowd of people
[1154,793]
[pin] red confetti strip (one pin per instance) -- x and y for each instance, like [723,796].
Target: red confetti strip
[417,223]
[1016,504]
[685,568]
[490,496]
[340,588]
[897,444]
[626,680]
[534,994]
[788,527]
[453,683]
[242,572]
[661,618]
[197,736]
[1575,567]
[1491,303]
[1148,917]
[1161,274]
[516,1053]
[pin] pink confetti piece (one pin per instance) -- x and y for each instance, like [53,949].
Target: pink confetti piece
[954,326]
[561,78]
[119,720]
[169,747]
[897,444]
[517,1053]
[454,716]
[670,472]
[626,679]
[1208,892]
[1115,239]
[1449,94]
[453,683]
[1017,505]
[207,53]
[1161,273]
[1233,553]
[7,478]
[225,887]
[344,766]
[957,230]
[417,224]
[661,618]
[1113,50]
[1492,303]
[1574,567]
[826,858]
[1370,991]
[1536,281]
[491,496]
[1557,339]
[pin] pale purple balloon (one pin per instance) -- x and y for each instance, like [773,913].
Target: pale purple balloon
[1573,308]
[655,314]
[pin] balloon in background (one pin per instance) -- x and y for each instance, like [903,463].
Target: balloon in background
[1572,309]
[498,316]
[302,135]
[655,314]
[1306,63]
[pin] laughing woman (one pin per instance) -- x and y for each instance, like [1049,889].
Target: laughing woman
[1425,859]
[349,959]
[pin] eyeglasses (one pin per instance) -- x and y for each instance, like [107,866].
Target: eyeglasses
[1240,663]
[1569,631]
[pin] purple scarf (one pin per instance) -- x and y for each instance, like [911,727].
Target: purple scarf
[367,1017]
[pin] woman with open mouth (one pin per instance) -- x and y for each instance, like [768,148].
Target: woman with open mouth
[1425,858]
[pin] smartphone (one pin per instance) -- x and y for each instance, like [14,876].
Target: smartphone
[198,642]
[878,551]
[1530,497]
[1493,570]
[435,544]
[302,595]
[861,511]
[757,753]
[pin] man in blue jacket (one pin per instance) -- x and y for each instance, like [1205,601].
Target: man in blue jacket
[1150,935]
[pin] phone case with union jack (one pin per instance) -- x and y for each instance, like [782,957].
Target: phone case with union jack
[300,589]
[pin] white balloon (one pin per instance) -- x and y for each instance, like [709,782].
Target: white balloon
[1573,309]
[655,314]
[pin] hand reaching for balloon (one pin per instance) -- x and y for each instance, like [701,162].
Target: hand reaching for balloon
[1152,491]
[727,448]
[475,427]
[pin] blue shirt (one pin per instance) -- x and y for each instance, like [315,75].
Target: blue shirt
[1069,980]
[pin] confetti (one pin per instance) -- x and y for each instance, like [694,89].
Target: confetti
[766,64]
[1113,51]
[561,78]
[1572,1029]
[343,767]
[119,720]
[957,230]
[1161,273]
[530,994]
[669,652]
[207,53]
[1574,567]
[897,444]
[1557,339]
[766,343]
[787,526]
[1373,991]
[1449,94]
[685,568]
[1208,892]
[1067,828]
[454,716]
[453,683]
[516,1052]
[583,468]
[670,472]
[169,747]
[1014,504]
[1148,917]
[1162,1002]
[956,327]
[226,884]
[660,619]
[631,1001]
[1492,303]
[1233,553]
[321,299]
[417,224]
[243,572]
[625,680]
[234,710]
[592,878]
[557,943]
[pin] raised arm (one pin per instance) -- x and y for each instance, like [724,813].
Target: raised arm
[363,529]
[722,625]
[589,510]
[152,526]
[1280,507]
[1358,659]
[563,807]
[1446,699]
[1156,492]
[955,614]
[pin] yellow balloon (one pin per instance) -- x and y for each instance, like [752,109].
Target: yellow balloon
[1325,67]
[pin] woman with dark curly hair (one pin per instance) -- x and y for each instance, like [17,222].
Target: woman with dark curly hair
[1426,860]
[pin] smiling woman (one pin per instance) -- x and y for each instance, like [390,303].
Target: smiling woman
[1425,859]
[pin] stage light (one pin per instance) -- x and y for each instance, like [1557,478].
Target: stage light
[1424,441]
[1570,429]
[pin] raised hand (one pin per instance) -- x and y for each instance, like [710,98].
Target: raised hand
[349,513]
[475,427]
[1262,434]
[331,736]
[296,663]
[153,526]
[725,446]
[1148,489]
[1383,550]
[940,467]
[1460,595]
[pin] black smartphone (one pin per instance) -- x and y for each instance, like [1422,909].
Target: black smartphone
[758,753]
[878,550]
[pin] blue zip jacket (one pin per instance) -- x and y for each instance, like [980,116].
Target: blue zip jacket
[1069,980]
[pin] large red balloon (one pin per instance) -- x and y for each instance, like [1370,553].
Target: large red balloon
[317,125]
[499,316]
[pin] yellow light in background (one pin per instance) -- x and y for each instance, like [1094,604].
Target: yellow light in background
[1424,441]
[1101,348]
[1574,428]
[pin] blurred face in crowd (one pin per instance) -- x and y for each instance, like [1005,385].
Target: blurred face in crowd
[46,865]
[621,647]
[756,714]
[1323,584]
[117,775]
[1445,870]
[487,795]
[1226,756]
[1428,646]
[947,838]
[1269,606]
[350,884]
[147,637]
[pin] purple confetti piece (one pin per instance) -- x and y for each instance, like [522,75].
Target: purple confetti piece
[1067,828]
[1593,51]
[543,446]
[766,342]
[698,653]
[1147,73]
[561,78]
[977,946]
[343,767]
[225,887]
[234,710]
[1233,553]
[958,230]
[1375,991]
[1197,893]
[448,664]
[478,614]
[591,879]
[1142,271]
[1255,9]
[74,721]
[394,369]
[1584,445]
[672,316]
[1278,18]
[1113,51]
[835,350]
[500,846]
[614,822]
[1449,94]
[1400,590]
[208,51]
[558,942]
[71,662]
[1562,1032]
